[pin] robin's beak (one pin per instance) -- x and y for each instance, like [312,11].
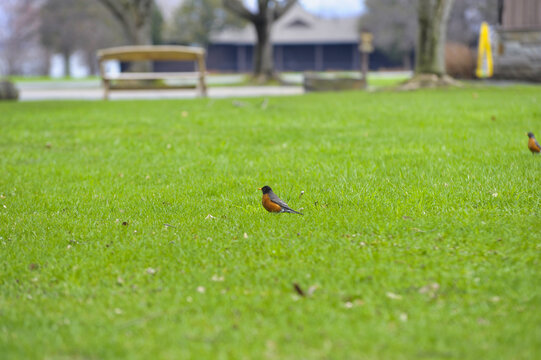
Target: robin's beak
[258,188]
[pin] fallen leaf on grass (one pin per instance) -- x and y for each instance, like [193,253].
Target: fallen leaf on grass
[430,289]
[311,290]
[434,287]
[210,217]
[33,266]
[124,223]
[393,296]
[352,303]
[403,317]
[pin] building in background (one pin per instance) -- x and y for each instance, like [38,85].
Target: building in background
[518,51]
[302,41]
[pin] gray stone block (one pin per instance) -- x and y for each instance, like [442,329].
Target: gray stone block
[8,91]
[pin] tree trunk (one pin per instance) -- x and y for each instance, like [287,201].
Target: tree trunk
[430,55]
[91,62]
[141,36]
[406,61]
[45,66]
[263,57]
[268,12]
[433,16]
[67,66]
[137,34]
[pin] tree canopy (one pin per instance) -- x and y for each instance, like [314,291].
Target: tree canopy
[195,20]
[135,18]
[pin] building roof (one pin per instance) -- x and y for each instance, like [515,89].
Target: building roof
[297,26]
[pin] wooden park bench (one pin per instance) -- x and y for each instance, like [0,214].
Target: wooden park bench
[150,53]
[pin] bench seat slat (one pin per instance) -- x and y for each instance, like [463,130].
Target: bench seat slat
[152,76]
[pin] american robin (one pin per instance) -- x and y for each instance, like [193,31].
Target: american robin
[272,203]
[533,145]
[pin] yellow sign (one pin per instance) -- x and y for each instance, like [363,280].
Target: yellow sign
[366,42]
[484,53]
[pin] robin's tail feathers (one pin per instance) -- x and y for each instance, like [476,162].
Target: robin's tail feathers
[287,210]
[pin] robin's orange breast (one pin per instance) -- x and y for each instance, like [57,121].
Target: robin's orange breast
[533,146]
[269,205]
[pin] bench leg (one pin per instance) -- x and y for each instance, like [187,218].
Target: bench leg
[202,86]
[106,89]
[202,68]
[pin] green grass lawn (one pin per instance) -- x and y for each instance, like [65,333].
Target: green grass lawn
[421,234]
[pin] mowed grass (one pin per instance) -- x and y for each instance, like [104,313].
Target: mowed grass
[421,234]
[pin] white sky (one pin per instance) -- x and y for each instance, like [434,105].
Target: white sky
[320,7]
[328,7]
[334,7]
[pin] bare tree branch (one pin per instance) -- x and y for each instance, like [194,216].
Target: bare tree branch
[282,9]
[237,7]
[117,12]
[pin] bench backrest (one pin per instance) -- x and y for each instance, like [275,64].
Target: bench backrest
[151,52]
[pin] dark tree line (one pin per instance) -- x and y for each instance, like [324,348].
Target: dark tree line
[66,26]
[194,21]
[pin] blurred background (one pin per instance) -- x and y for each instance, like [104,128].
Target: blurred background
[59,38]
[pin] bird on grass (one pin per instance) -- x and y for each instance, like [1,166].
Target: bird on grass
[272,203]
[533,145]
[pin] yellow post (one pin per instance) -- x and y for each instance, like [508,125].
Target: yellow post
[484,54]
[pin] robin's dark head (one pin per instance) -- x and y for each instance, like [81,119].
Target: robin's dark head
[266,189]
[530,135]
